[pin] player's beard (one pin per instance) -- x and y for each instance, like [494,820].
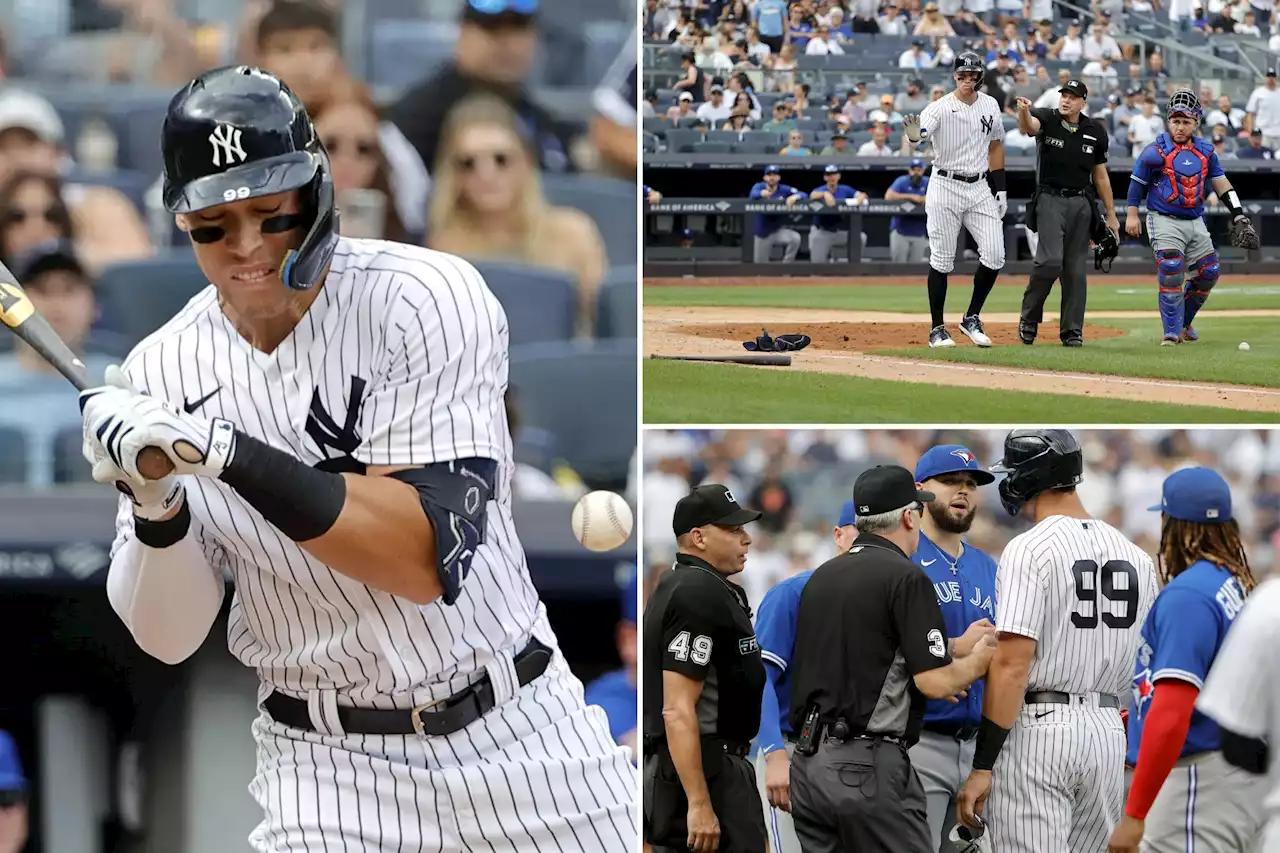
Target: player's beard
[943,516]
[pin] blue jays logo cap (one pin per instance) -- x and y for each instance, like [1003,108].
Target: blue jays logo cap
[833,169]
[847,515]
[772,170]
[951,459]
[916,163]
[11,776]
[1195,494]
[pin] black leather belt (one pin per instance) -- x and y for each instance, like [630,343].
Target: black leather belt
[1061,191]
[654,743]
[835,733]
[959,731]
[435,719]
[1057,697]
[968,179]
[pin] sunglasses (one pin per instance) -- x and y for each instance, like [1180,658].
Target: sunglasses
[360,147]
[271,225]
[17,216]
[471,162]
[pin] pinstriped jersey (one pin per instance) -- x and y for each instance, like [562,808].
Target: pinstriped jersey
[401,360]
[1081,590]
[961,133]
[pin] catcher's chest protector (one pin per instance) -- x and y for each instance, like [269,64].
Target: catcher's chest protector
[1187,169]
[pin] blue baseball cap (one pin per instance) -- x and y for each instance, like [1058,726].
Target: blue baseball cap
[1195,494]
[847,515]
[630,594]
[772,170]
[916,163]
[833,169]
[11,776]
[686,233]
[951,459]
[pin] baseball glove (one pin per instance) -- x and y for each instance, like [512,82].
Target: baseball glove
[1242,234]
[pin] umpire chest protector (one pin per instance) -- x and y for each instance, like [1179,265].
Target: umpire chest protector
[1066,153]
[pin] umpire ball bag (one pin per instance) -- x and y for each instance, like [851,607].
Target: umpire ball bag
[238,132]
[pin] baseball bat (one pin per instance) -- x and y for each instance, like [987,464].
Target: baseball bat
[22,318]
[769,360]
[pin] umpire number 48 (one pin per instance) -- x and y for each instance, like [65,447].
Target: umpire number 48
[1092,585]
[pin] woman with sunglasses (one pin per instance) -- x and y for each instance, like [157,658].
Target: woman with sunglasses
[487,203]
[33,213]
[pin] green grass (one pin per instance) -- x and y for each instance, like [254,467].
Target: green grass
[683,392]
[1214,358]
[1007,297]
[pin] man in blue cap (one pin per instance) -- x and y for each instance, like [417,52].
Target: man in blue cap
[964,579]
[615,691]
[13,797]
[776,633]
[830,228]
[1186,794]
[770,228]
[908,240]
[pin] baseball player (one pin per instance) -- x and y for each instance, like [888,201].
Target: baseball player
[964,579]
[770,230]
[968,191]
[1203,803]
[776,633]
[908,240]
[333,412]
[1173,175]
[1073,593]
[830,229]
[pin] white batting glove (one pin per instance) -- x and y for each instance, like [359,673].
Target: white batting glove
[121,423]
[911,127]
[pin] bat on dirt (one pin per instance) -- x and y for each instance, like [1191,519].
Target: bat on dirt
[17,312]
[768,360]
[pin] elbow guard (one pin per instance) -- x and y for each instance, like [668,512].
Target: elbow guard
[455,497]
[1247,753]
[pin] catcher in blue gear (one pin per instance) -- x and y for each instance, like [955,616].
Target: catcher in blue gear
[1173,176]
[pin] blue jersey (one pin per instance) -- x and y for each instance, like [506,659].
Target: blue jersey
[800,35]
[771,18]
[966,590]
[1177,177]
[615,693]
[1181,637]
[776,634]
[768,223]
[832,221]
[912,224]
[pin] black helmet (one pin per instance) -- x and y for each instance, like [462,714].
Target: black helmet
[970,61]
[238,132]
[1036,460]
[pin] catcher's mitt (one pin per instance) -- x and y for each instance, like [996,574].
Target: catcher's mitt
[1242,234]
[781,343]
[1106,245]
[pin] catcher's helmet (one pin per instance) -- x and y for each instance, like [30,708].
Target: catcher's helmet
[1184,102]
[238,132]
[970,61]
[1036,460]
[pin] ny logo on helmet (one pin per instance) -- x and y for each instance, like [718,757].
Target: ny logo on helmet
[225,140]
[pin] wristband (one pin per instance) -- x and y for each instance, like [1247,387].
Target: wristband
[996,180]
[163,534]
[300,501]
[987,748]
[1232,202]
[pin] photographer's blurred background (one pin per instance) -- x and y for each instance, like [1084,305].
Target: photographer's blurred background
[500,130]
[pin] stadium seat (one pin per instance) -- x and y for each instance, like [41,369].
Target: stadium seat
[137,121]
[541,304]
[712,148]
[612,203]
[617,315]
[557,385]
[683,141]
[403,52]
[657,125]
[133,184]
[138,297]
[69,465]
[13,462]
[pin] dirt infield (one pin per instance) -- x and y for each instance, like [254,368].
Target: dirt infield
[864,337]
[1116,280]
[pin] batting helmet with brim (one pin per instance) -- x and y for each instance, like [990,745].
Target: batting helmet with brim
[970,61]
[238,132]
[1036,460]
[1184,102]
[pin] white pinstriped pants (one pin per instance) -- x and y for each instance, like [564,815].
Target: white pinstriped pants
[1058,784]
[538,774]
[953,204]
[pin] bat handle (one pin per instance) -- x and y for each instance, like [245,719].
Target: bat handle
[153,464]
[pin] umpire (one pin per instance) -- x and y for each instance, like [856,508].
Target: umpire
[703,684]
[870,645]
[1071,170]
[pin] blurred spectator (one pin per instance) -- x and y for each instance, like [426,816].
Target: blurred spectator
[613,128]
[885,113]
[770,19]
[1069,48]
[781,121]
[878,144]
[757,49]
[890,22]
[798,26]
[682,108]
[1263,110]
[1051,97]
[774,498]
[1125,111]
[1256,149]
[1100,43]
[487,201]
[13,797]
[1023,86]
[914,58]
[739,118]
[715,110]
[839,144]
[348,126]
[784,65]
[615,691]
[1155,67]
[1144,128]
[740,84]
[800,98]
[712,57]
[824,43]
[34,213]
[855,107]
[1224,113]
[931,23]
[1100,75]
[913,100]
[1220,148]
[795,146]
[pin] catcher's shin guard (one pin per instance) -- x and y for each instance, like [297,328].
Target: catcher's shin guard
[1171,266]
[1204,275]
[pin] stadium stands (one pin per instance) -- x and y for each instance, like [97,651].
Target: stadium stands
[541,304]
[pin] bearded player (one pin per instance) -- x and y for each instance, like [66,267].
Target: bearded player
[1173,175]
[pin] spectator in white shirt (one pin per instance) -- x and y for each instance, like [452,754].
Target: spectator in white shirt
[1144,128]
[1248,27]
[878,146]
[716,109]
[1099,43]
[891,23]
[711,58]
[1051,97]
[823,43]
[885,112]
[915,58]
[1102,77]
[1224,113]
[1069,48]
[1263,110]
[1273,44]
[755,47]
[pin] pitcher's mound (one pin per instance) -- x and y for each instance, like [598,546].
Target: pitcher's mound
[864,337]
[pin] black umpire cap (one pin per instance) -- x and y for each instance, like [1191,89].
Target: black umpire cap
[710,504]
[1075,87]
[885,488]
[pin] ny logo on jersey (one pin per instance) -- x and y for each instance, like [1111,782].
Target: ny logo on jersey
[988,122]
[326,433]
[225,140]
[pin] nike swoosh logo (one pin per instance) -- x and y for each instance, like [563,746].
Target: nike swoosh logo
[927,562]
[190,408]
[1044,714]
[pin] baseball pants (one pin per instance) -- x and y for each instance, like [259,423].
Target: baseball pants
[1062,250]
[953,205]
[943,764]
[1059,781]
[731,782]
[907,250]
[787,238]
[1208,806]
[782,831]
[1191,238]
[540,772]
[823,243]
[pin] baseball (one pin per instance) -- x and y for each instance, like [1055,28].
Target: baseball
[601,521]
[1244,346]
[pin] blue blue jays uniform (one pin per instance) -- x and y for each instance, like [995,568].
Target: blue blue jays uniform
[915,224]
[1180,639]
[615,693]
[767,224]
[1177,177]
[831,221]
[966,590]
[776,633]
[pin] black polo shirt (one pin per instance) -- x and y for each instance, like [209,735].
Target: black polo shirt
[697,623]
[868,621]
[1066,153]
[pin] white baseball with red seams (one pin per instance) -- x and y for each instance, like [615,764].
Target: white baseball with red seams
[601,520]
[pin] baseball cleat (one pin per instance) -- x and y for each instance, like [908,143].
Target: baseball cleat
[1171,341]
[1189,335]
[1027,332]
[939,337]
[1073,342]
[972,327]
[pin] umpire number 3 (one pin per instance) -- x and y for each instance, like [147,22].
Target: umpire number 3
[699,650]
[1090,591]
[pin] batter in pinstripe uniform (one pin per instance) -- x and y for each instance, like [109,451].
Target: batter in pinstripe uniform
[1073,595]
[967,191]
[333,410]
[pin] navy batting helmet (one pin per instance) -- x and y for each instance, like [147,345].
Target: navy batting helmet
[238,132]
[970,61]
[1036,460]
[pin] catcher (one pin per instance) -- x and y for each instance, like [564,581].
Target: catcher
[1175,173]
